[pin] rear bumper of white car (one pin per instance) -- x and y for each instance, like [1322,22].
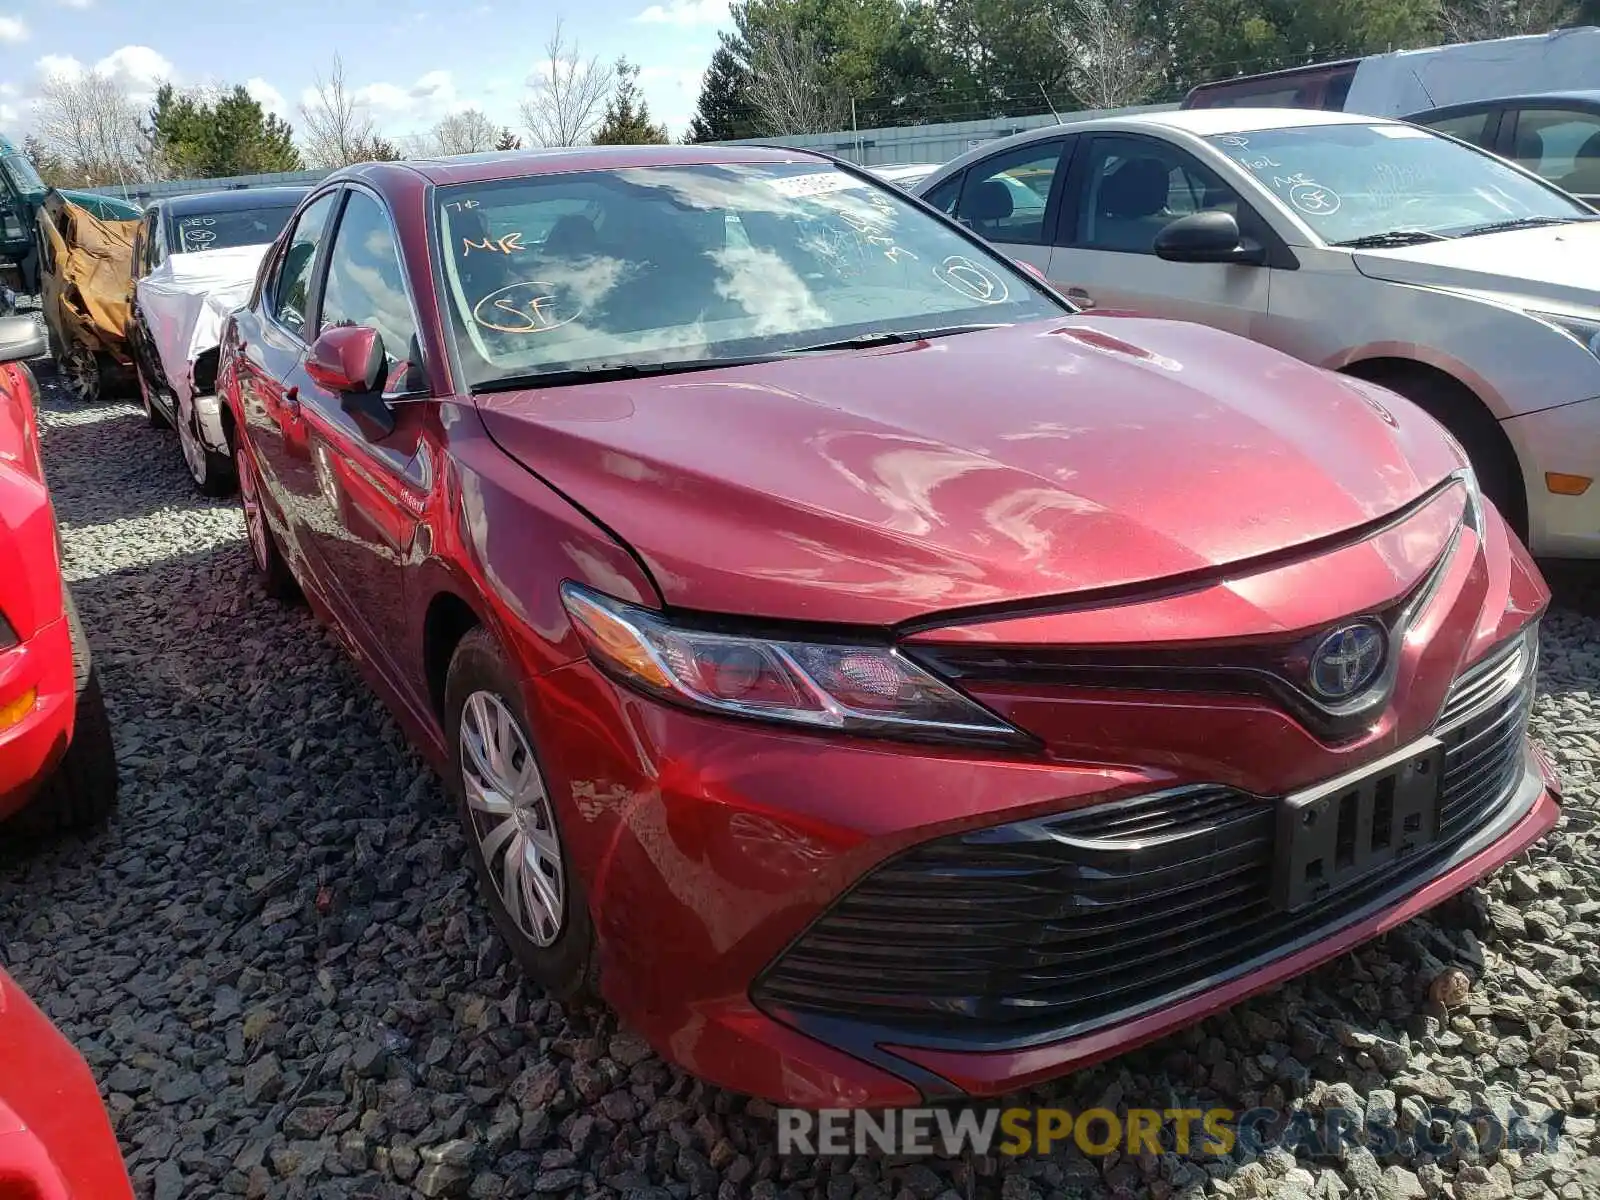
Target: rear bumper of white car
[1561,441]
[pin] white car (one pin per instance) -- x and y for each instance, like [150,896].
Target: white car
[904,175]
[1364,245]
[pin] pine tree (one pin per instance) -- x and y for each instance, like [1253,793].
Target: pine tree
[199,138]
[508,141]
[627,120]
[723,111]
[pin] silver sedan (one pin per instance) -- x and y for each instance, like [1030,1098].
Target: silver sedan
[1364,245]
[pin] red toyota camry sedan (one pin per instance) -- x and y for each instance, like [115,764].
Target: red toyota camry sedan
[874,678]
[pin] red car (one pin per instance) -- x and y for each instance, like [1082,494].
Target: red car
[55,1140]
[874,678]
[58,769]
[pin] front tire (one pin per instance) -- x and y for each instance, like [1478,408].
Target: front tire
[510,819]
[82,790]
[1493,460]
[277,580]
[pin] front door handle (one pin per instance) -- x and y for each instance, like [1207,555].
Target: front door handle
[1080,297]
[291,401]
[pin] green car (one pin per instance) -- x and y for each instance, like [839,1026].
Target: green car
[21,194]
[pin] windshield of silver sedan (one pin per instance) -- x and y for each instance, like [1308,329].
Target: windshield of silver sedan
[561,274]
[1385,185]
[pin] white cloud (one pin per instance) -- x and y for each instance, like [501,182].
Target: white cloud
[385,97]
[13,29]
[135,66]
[269,97]
[10,89]
[686,13]
[9,115]
[435,85]
[53,65]
[75,3]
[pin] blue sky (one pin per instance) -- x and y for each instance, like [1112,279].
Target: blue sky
[412,61]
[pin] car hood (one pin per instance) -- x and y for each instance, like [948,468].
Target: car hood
[1556,263]
[1033,461]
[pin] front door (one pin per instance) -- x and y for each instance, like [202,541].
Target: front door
[274,344]
[1009,199]
[1123,189]
[361,519]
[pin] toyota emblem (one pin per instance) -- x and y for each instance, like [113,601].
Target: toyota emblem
[1346,662]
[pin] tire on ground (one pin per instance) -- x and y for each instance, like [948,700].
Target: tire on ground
[1455,407]
[568,968]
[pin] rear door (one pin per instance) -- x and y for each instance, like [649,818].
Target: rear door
[1557,142]
[1010,198]
[1124,189]
[361,518]
[1479,125]
[273,344]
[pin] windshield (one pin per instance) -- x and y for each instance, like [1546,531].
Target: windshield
[1350,182]
[231,227]
[20,174]
[669,264]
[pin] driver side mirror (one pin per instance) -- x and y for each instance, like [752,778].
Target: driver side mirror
[1208,237]
[348,360]
[20,338]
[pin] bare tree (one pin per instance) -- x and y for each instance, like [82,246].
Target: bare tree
[569,100]
[789,83]
[1110,64]
[465,132]
[1478,20]
[336,126]
[91,125]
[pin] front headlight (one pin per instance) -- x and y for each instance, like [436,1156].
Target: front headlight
[851,688]
[1582,330]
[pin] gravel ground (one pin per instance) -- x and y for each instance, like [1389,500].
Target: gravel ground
[276,965]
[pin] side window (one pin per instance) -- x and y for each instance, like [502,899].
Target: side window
[1561,145]
[1133,188]
[141,249]
[365,286]
[158,240]
[1004,198]
[1469,127]
[944,196]
[291,292]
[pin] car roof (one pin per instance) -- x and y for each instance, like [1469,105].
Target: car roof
[1589,97]
[232,200]
[515,164]
[1201,122]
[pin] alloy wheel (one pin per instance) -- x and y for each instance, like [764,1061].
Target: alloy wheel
[255,521]
[512,820]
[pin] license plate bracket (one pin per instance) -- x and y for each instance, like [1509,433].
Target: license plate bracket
[1334,833]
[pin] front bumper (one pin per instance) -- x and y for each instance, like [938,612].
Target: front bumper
[31,746]
[709,851]
[1564,440]
[213,433]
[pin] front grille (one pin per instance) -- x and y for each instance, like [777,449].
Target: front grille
[1056,925]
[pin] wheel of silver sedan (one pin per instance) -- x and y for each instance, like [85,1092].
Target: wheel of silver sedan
[511,817]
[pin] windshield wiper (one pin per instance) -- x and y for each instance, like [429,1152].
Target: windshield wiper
[891,337]
[1391,237]
[1524,223]
[603,372]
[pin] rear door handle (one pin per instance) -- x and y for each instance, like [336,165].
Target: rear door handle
[291,401]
